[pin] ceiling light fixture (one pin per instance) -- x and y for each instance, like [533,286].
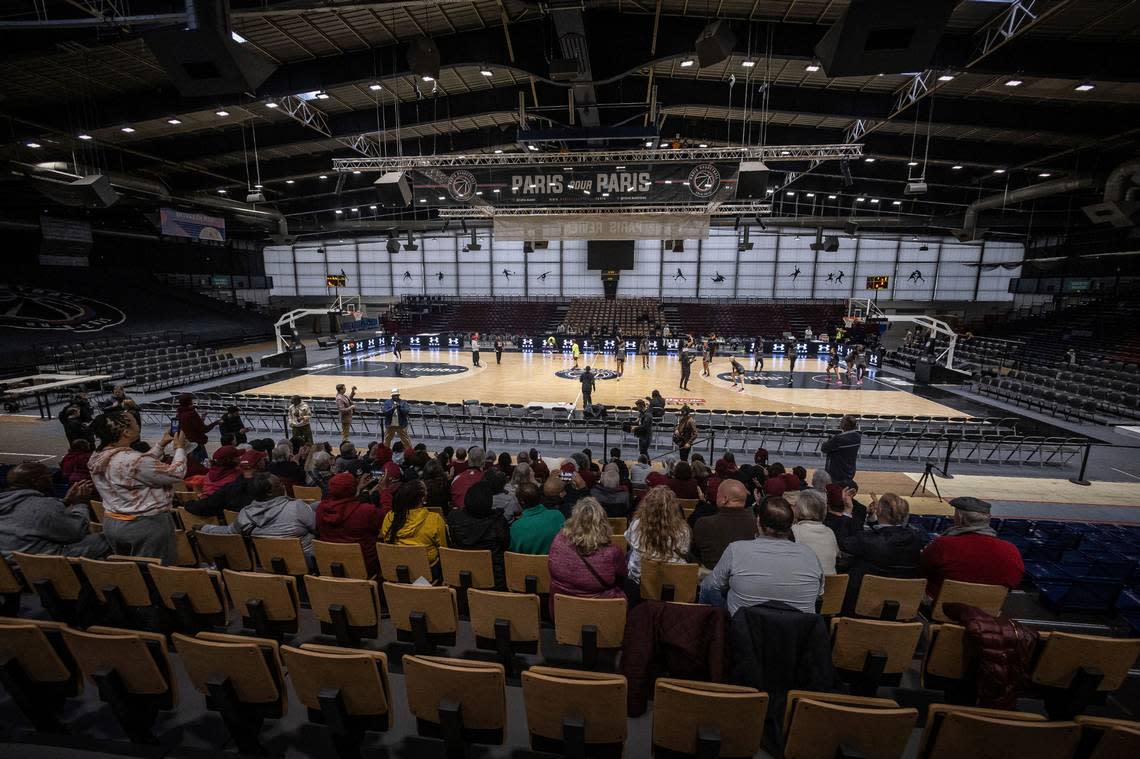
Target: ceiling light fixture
[748,64]
[258,187]
[85,137]
[354,210]
[498,151]
[790,194]
[221,192]
[338,211]
[812,67]
[687,63]
[375,87]
[859,200]
[486,72]
[1085,87]
[373,208]
[289,181]
[322,96]
[831,197]
[1044,175]
[532,147]
[868,159]
[956,167]
[427,78]
[271,104]
[703,145]
[999,171]
[222,114]
[324,176]
[811,194]
[174,122]
[356,171]
[874,200]
[128,130]
[423,200]
[1013,82]
[34,145]
[912,163]
[946,78]
[896,203]
[649,143]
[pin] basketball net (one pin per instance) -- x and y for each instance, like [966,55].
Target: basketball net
[851,321]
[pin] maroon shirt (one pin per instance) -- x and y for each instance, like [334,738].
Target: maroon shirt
[461,484]
[570,577]
[971,558]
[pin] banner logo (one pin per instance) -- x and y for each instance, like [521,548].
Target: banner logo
[704,180]
[461,186]
[40,308]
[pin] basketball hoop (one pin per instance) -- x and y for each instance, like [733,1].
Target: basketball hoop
[851,321]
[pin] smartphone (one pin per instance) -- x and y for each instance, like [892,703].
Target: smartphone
[174,426]
[567,476]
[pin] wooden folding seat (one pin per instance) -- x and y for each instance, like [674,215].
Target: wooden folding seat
[507,623]
[958,731]
[56,581]
[1072,670]
[188,520]
[834,591]
[620,542]
[10,590]
[281,556]
[119,585]
[618,525]
[340,560]
[870,653]
[268,603]
[193,595]
[184,550]
[832,725]
[592,624]
[96,511]
[948,662]
[403,564]
[575,713]
[527,573]
[707,719]
[1104,738]
[37,670]
[467,569]
[889,598]
[227,550]
[662,581]
[423,614]
[988,598]
[347,608]
[132,672]
[458,700]
[240,677]
[345,690]
[307,493]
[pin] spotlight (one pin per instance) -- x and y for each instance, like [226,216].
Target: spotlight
[271,104]
[999,171]
[128,130]
[956,167]
[222,114]
[486,72]
[1044,175]
[748,64]
[34,145]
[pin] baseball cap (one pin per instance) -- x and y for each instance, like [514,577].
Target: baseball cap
[775,486]
[395,391]
[392,469]
[969,503]
[252,458]
[227,455]
[568,467]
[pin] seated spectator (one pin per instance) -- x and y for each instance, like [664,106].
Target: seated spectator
[760,458]
[522,473]
[478,527]
[411,524]
[73,466]
[467,476]
[585,469]
[658,532]
[610,493]
[320,471]
[538,466]
[731,522]
[591,465]
[501,500]
[272,514]
[619,462]
[343,517]
[810,530]
[844,515]
[583,560]
[381,455]
[438,486]
[537,525]
[729,459]
[505,465]
[444,458]
[349,461]
[640,471]
[889,548]
[682,483]
[820,479]
[32,520]
[801,476]
[459,463]
[971,551]
[701,473]
[231,424]
[382,492]
[771,567]
[236,495]
[284,467]
[223,469]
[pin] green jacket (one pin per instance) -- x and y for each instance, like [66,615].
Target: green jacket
[534,530]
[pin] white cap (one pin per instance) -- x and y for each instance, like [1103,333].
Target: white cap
[395,391]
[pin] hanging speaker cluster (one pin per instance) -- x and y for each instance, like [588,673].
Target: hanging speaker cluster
[883,37]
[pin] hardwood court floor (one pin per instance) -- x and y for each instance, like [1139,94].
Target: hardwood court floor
[525,378]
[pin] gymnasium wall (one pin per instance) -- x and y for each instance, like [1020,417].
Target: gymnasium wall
[711,268]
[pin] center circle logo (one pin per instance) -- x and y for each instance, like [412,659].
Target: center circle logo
[599,374]
[24,307]
[704,180]
[461,186]
[754,378]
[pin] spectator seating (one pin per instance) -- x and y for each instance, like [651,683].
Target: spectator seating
[633,317]
[751,319]
[494,316]
[162,364]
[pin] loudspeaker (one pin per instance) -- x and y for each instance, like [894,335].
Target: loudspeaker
[1118,214]
[423,58]
[883,37]
[564,69]
[203,59]
[850,228]
[715,43]
[92,191]
[828,244]
[393,189]
[752,181]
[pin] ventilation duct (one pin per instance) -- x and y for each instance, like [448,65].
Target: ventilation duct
[969,231]
[1118,206]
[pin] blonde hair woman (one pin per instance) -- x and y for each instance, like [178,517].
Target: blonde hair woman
[658,531]
[583,559]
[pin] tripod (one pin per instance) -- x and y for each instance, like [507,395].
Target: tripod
[927,479]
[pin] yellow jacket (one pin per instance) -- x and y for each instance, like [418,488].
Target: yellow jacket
[423,528]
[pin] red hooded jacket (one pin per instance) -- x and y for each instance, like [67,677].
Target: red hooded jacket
[343,518]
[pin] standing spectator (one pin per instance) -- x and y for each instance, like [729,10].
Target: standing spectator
[231,424]
[498,350]
[115,400]
[32,520]
[658,532]
[300,418]
[133,487]
[223,470]
[345,405]
[971,551]
[682,483]
[342,517]
[271,514]
[640,471]
[467,477]
[888,548]
[771,567]
[411,524]
[820,480]
[396,413]
[534,530]
[731,522]
[842,450]
[610,493]
[73,466]
[583,560]
[810,509]
[475,349]
[193,428]
[74,428]
[685,433]
[478,527]
[643,429]
[619,462]
[588,384]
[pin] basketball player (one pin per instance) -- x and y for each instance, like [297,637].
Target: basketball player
[706,358]
[619,357]
[758,355]
[549,347]
[833,363]
[792,365]
[498,350]
[396,347]
[737,376]
[861,363]
[475,348]
[687,360]
[575,352]
[643,349]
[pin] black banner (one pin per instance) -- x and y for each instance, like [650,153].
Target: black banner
[581,185]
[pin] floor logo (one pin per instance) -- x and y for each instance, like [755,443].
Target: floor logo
[599,374]
[24,307]
[406,369]
[755,378]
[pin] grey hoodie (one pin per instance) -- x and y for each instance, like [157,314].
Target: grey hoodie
[280,517]
[32,522]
